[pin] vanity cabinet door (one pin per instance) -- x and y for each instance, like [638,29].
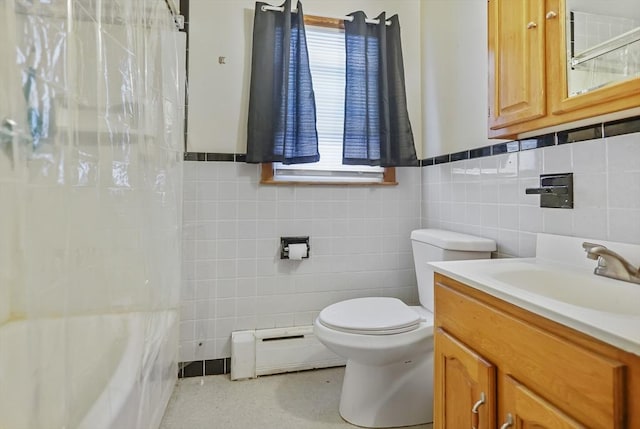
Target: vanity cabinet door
[528,410]
[465,386]
[516,62]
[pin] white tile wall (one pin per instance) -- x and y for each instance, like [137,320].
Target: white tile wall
[233,277]
[486,196]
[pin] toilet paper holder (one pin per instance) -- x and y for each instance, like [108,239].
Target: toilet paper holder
[286,241]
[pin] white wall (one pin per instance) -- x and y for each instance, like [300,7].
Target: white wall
[454,76]
[219,93]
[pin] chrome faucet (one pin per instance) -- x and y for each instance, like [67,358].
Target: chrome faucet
[611,264]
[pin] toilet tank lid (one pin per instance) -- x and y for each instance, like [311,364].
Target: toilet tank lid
[449,240]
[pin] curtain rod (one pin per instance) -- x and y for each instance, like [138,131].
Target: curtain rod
[177,18]
[342,18]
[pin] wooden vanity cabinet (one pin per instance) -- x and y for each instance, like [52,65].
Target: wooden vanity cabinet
[527,71]
[541,373]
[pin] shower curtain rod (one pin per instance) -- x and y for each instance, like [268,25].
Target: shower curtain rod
[115,20]
[341,18]
[177,18]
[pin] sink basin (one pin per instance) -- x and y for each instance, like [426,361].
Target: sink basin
[559,284]
[570,287]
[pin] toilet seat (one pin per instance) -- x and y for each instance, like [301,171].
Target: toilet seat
[370,316]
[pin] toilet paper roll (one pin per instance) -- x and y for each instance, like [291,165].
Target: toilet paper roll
[297,251]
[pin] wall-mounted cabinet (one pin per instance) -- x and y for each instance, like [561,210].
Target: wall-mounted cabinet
[533,46]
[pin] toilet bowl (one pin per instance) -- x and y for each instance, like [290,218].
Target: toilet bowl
[387,365]
[388,380]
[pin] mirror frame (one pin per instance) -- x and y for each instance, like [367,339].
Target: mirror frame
[561,102]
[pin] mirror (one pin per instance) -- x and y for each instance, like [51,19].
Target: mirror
[603,43]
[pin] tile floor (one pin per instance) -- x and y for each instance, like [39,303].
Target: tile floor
[303,400]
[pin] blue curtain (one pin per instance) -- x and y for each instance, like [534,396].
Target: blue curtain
[282,109]
[377,130]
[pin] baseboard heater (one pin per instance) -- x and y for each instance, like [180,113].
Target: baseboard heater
[274,351]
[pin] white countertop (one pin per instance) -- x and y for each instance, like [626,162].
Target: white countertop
[564,291]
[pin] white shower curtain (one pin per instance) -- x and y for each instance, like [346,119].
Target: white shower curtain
[91,147]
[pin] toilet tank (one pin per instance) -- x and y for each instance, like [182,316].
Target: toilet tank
[430,245]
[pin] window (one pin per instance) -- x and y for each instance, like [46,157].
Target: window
[325,43]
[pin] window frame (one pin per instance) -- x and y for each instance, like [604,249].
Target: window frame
[267,176]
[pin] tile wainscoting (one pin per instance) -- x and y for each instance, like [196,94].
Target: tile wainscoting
[233,276]
[483,193]
[234,279]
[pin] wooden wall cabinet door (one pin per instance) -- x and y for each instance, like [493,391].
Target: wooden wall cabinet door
[612,97]
[465,386]
[517,60]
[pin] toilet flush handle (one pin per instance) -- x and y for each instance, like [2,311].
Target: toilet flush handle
[475,414]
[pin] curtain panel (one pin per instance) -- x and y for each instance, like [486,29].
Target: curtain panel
[377,130]
[282,114]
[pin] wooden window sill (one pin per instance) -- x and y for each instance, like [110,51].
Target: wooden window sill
[267,178]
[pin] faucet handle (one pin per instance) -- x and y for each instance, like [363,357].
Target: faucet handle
[611,264]
[588,246]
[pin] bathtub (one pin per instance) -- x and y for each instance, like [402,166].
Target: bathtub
[89,372]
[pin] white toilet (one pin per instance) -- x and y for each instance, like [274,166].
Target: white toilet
[388,380]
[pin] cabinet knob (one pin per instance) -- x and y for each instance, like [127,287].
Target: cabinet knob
[508,423]
[476,417]
[551,14]
[531,25]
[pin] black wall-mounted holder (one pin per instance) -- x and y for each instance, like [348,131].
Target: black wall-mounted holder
[284,246]
[556,190]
